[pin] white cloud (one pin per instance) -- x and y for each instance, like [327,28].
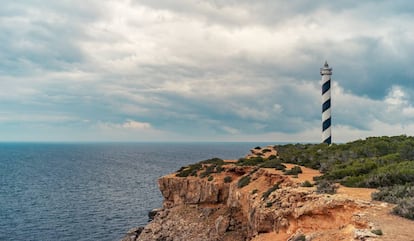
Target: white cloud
[130,124]
[230,130]
[240,67]
[127,125]
[396,97]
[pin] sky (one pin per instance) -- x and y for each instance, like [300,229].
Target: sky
[211,70]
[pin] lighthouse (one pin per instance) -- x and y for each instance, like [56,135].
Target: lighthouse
[326,73]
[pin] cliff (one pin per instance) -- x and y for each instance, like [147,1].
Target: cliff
[249,203]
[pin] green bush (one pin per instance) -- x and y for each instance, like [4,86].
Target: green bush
[327,187]
[272,157]
[253,161]
[294,171]
[270,190]
[273,164]
[253,170]
[209,169]
[210,178]
[405,208]
[266,150]
[244,181]
[392,174]
[254,191]
[228,179]
[353,181]
[352,169]
[377,232]
[306,184]
[300,238]
[215,160]
[269,204]
[394,194]
[190,170]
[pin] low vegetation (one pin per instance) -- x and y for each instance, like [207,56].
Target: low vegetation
[244,181]
[405,208]
[209,166]
[227,179]
[266,150]
[293,171]
[190,170]
[326,187]
[384,162]
[377,232]
[270,190]
[306,184]
[253,161]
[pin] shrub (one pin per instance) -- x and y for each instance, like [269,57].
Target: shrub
[257,148]
[392,174]
[273,164]
[227,179]
[269,204]
[189,170]
[266,150]
[253,161]
[306,184]
[294,171]
[210,178]
[208,171]
[405,208]
[270,190]
[254,170]
[215,160]
[394,194]
[254,191]
[327,187]
[281,167]
[244,181]
[377,232]
[353,181]
[354,168]
[300,238]
[272,157]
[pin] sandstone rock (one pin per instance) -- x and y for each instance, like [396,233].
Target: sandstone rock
[133,234]
[298,236]
[222,224]
[196,209]
[152,213]
[362,234]
[177,191]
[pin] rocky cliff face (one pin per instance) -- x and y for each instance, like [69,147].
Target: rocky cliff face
[270,205]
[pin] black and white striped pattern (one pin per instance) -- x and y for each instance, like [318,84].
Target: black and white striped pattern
[326,73]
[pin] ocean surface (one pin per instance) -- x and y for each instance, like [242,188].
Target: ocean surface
[88,191]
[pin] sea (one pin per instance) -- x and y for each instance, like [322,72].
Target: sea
[90,191]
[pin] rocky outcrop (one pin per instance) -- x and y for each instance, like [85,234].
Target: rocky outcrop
[192,190]
[197,208]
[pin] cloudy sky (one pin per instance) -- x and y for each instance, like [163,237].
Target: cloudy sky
[203,70]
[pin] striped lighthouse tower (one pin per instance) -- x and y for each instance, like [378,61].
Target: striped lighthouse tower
[326,73]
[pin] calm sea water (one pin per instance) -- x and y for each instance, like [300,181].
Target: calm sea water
[89,191]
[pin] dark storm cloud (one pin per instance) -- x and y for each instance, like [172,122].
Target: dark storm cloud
[194,69]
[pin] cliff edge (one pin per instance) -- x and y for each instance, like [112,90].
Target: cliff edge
[221,201]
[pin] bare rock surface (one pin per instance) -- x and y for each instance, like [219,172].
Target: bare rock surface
[210,209]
